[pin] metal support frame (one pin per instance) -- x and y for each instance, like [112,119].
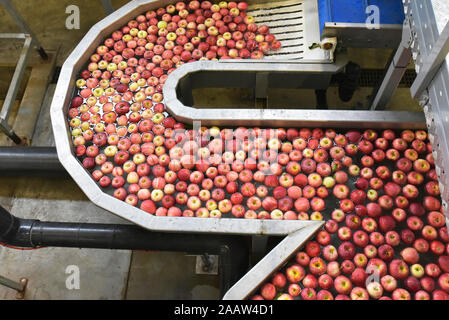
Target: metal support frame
[357,35]
[396,70]
[107,5]
[207,264]
[431,64]
[30,40]
[429,29]
[20,286]
[24,26]
[179,83]
[5,111]
[272,261]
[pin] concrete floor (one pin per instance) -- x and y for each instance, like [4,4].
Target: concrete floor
[108,274]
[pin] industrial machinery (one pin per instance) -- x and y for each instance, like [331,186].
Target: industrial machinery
[269,68]
[312,34]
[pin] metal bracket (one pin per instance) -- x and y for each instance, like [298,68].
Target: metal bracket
[207,264]
[430,32]
[261,90]
[396,70]
[424,98]
[272,261]
[20,286]
[431,64]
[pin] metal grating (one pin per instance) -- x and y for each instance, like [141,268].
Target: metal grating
[372,78]
[425,18]
[286,21]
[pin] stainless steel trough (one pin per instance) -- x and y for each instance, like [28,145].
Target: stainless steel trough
[291,61]
[279,117]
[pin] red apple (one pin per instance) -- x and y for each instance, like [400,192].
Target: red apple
[302,258]
[295,273]
[359,293]
[279,280]
[268,291]
[324,295]
[386,252]
[294,289]
[310,281]
[308,294]
[437,247]
[313,249]
[346,250]
[388,283]
[374,210]
[399,269]
[443,282]
[410,255]
[407,236]
[342,285]
[443,262]
[375,290]
[358,277]
[360,238]
[421,245]
[330,253]
[376,267]
[377,238]
[432,270]
[386,223]
[401,294]
[428,284]
[317,266]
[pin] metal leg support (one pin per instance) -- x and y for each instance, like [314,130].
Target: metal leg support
[14,85]
[107,5]
[259,248]
[4,126]
[20,287]
[431,64]
[395,71]
[321,99]
[24,26]
[30,39]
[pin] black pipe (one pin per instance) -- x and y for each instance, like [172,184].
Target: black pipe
[8,224]
[27,233]
[15,138]
[29,158]
[31,161]
[42,53]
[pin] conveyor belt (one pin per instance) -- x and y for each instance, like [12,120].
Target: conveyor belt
[286,21]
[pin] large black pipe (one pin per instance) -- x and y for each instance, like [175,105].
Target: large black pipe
[26,233]
[30,161]
[29,158]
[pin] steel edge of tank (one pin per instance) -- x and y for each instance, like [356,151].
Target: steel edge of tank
[59,108]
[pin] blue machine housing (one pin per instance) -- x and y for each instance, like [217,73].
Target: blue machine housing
[354,11]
